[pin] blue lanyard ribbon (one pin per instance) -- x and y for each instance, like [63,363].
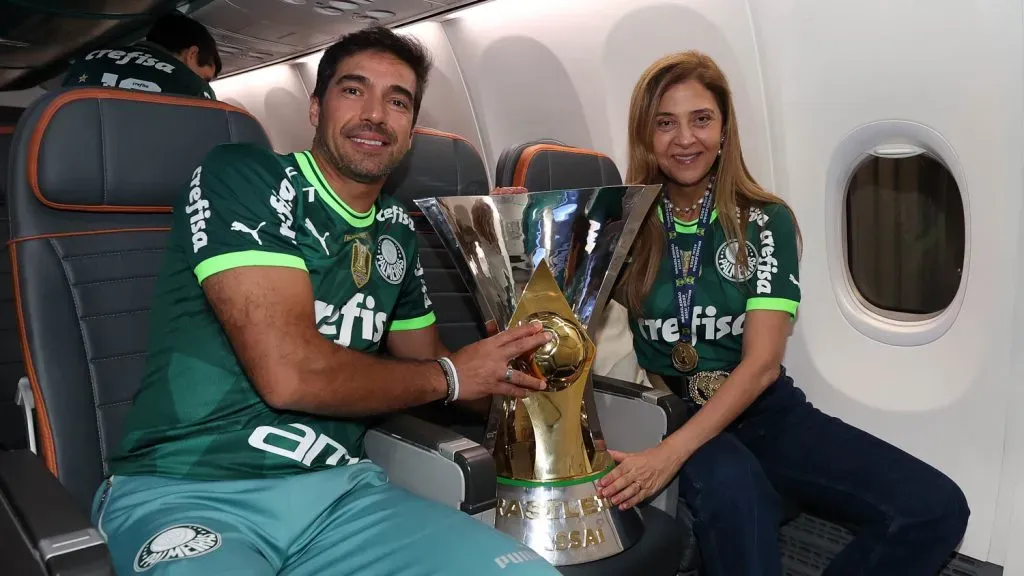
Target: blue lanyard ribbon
[685,281]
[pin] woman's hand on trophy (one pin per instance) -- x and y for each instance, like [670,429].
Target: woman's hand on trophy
[638,476]
[483,367]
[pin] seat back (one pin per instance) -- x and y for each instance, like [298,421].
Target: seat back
[441,164]
[94,174]
[505,171]
[550,165]
[12,431]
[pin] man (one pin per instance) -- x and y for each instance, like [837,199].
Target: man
[178,56]
[243,451]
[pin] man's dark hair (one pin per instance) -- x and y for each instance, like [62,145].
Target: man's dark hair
[380,39]
[176,32]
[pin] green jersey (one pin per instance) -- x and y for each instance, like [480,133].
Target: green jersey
[142,66]
[197,414]
[724,292]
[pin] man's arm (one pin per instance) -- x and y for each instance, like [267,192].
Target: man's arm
[423,344]
[267,313]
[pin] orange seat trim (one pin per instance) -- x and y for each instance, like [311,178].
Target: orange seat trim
[46,446]
[519,177]
[36,141]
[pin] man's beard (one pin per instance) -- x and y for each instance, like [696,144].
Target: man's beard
[351,168]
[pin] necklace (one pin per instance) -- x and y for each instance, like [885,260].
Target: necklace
[686,211]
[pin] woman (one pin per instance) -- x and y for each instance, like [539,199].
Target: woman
[719,344]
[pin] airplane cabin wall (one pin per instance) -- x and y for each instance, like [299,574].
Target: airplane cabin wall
[816,86]
[278,98]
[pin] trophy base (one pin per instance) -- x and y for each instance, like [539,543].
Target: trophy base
[565,524]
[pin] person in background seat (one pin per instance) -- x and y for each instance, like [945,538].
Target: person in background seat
[178,56]
[713,289]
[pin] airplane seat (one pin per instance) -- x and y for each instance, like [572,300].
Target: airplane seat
[89,196]
[548,164]
[441,164]
[12,369]
[505,169]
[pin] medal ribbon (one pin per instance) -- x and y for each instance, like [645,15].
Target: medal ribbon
[685,281]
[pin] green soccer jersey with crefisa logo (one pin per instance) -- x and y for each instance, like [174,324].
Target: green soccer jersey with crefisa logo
[197,414]
[724,293]
[143,66]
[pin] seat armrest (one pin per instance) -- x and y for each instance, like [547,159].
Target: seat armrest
[634,417]
[50,523]
[436,463]
[671,416]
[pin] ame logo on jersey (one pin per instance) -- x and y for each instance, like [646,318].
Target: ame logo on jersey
[339,322]
[390,259]
[303,449]
[729,268]
[176,543]
[198,210]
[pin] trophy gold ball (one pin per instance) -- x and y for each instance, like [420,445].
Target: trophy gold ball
[560,360]
[550,257]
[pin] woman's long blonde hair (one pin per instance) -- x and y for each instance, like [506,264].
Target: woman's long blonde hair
[736,191]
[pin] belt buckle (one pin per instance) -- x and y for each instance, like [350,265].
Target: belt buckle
[703,385]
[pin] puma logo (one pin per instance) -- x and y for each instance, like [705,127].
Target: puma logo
[239,227]
[793,280]
[322,239]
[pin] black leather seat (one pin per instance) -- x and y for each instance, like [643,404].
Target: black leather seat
[12,368]
[548,164]
[443,164]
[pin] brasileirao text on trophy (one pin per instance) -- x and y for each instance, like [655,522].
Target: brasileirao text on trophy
[553,257]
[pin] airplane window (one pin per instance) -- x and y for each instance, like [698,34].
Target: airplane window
[905,234]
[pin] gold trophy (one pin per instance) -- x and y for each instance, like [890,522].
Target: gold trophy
[553,257]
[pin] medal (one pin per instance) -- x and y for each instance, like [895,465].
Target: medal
[686,270]
[684,357]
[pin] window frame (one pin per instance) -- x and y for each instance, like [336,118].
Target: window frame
[858,146]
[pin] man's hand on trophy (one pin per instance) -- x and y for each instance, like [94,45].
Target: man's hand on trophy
[483,367]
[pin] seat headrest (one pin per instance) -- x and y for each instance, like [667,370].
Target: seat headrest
[505,169]
[438,164]
[113,150]
[547,166]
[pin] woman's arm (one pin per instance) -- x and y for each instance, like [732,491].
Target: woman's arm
[642,474]
[764,344]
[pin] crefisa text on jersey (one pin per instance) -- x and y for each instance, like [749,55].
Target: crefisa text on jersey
[121,57]
[198,210]
[396,214]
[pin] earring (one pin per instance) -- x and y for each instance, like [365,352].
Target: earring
[721,145]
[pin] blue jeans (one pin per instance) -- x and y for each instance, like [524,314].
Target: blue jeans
[907,517]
